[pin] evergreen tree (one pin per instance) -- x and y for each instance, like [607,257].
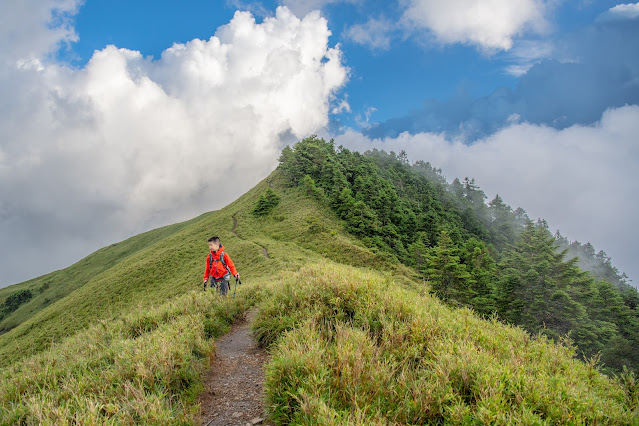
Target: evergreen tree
[481,267]
[267,201]
[418,253]
[502,223]
[448,278]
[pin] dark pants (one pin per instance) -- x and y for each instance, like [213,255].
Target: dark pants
[222,284]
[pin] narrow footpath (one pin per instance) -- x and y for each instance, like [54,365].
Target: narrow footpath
[233,392]
[235,233]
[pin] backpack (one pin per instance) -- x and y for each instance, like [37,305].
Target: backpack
[221,260]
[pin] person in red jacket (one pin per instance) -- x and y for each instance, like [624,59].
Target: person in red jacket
[219,267]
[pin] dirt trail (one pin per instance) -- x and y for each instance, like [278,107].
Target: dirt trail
[235,226]
[234,388]
[235,233]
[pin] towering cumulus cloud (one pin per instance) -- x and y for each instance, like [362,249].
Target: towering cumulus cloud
[129,142]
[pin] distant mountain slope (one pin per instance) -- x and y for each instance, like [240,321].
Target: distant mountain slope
[172,262]
[361,209]
[48,289]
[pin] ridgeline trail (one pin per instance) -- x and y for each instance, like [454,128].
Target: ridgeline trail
[234,386]
[233,392]
[235,226]
[234,231]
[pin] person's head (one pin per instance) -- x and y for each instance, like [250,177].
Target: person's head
[214,243]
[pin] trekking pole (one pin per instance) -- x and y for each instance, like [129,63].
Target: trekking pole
[236,281]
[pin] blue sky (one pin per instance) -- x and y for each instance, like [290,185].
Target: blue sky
[411,83]
[110,107]
[426,72]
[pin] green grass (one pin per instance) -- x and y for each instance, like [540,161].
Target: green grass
[130,345]
[354,336]
[52,287]
[170,261]
[143,368]
[353,346]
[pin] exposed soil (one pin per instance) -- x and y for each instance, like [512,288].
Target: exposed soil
[235,233]
[234,387]
[235,226]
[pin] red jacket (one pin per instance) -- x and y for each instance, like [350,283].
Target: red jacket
[218,270]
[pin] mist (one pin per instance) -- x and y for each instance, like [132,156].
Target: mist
[582,179]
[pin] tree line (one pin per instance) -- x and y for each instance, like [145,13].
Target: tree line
[486,256]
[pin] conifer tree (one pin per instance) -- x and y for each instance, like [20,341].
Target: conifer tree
[267,201]
[448,278]
[481,267]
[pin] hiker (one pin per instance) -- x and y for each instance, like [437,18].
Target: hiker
[219,267]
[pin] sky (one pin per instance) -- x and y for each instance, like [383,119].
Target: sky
[117,117]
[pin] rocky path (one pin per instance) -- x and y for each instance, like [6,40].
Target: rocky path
[234,387]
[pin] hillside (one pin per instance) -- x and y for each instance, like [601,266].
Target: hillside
[485,256]
[49,288]
[169,262]
[355,335]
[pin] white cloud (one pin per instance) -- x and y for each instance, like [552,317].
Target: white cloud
[583,179]
[620,12]
[532,50]
[491,25]
[364,121]
[376,33]
[342,106]
[527,53]
[89,156]
[30,29]
[517,70]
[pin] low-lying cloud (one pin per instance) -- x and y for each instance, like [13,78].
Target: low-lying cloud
[582,179]
[89,156]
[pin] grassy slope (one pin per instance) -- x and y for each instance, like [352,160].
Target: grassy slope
[350,346]
[144,368]
[52,287]
[169,266]
[346,349]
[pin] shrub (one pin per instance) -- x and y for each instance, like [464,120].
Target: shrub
[14,301]
[267,201]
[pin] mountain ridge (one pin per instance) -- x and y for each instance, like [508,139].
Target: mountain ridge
[132,344]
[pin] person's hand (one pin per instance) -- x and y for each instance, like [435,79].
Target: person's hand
[237,276]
